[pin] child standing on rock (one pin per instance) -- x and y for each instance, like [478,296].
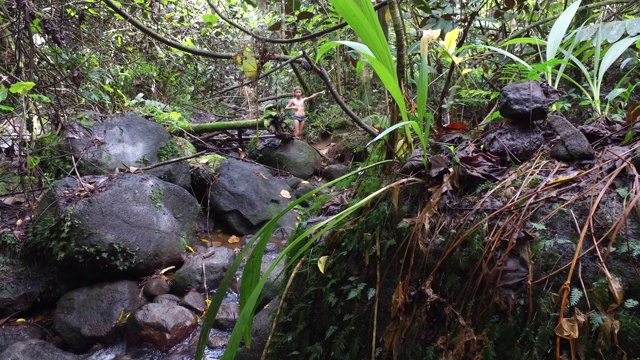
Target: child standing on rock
[299,115]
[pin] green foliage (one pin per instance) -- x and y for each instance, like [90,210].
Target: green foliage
[252,148]
[575,296]
[596,319]
[56,235]
[21,87]
[631,303]
[171,150]
[603,56]
[156,195]
[629,331]
[54,161]
[10,243]
[340,300]
[600,293]
[160,112]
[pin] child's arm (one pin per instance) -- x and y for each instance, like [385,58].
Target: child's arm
[290,105]
[315,94]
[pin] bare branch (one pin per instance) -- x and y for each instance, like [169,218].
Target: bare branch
[174,44]
[283,41]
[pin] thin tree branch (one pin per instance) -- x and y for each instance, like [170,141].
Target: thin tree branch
[174,44]
[282,41]
[261,76]
[171,161]
[452,67]
[325,78]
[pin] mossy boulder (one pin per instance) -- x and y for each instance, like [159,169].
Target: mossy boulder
[102,144]
[129,223]
[296,157]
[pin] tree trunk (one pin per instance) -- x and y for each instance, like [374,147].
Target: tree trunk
[401,50]
[220,126]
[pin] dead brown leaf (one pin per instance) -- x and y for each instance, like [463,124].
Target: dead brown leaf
[567,328]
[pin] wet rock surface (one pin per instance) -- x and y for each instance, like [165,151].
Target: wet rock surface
[19,332]
[90,315]
[194,301]
[162,325]
[35,349]
[190,275]
[156,286]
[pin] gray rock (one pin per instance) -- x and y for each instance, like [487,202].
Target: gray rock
[127,140]
[296,157]
[190,276]
[293,181]
[129,223]
[90,315]
[10,335]
[217,340]
[526,102]
[161,325]
[573,145]
[513,143]
[35,349]
[227,316]
[167,299]
[23,284]
[246,196]
[334,171]
[194,301]
[156,286]
[303,189]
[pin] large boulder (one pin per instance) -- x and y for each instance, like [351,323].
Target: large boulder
[101,145]
[128,223]
[245,196]
[89,315]
[296,157]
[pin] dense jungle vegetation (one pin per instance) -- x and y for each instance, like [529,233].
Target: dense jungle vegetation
[371,280]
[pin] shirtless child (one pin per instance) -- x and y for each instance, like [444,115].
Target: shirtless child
[299,115]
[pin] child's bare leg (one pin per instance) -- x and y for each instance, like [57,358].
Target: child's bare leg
[296,129]
[301,128]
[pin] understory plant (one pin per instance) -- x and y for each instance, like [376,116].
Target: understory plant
[577,43]
[362,18]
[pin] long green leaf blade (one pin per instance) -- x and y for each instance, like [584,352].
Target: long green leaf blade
[559,29]
[614,52]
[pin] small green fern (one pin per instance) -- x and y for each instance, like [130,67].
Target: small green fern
[576,295]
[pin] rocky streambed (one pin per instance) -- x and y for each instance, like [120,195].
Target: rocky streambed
[126,254]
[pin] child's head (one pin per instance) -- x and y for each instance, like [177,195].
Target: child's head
[297,90]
